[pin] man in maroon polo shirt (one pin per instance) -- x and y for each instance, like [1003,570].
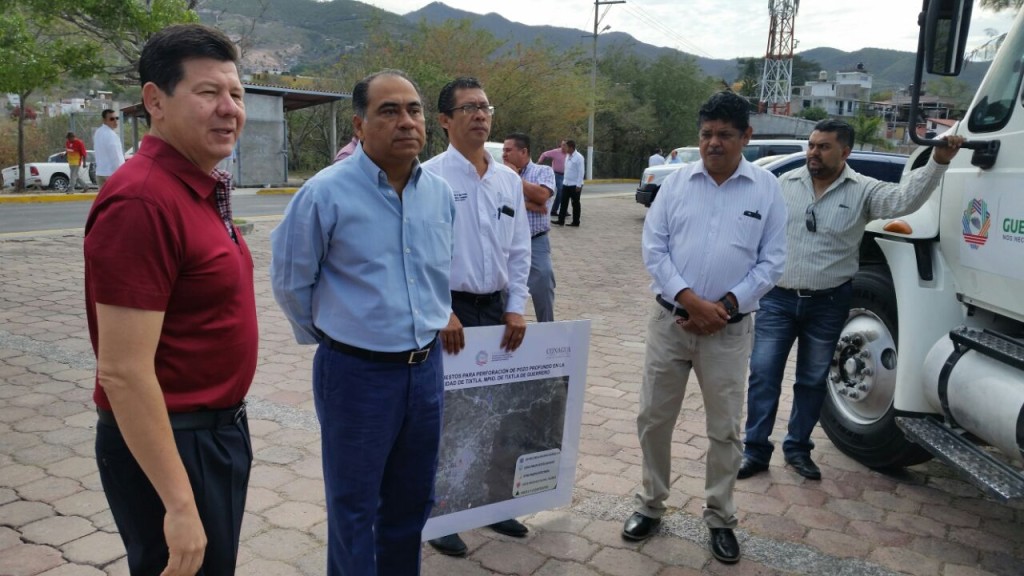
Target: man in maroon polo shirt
[172,317]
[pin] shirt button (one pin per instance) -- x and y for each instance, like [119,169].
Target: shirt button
[407,251]
[411,281]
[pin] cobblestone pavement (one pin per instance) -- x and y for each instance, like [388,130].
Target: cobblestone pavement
[54,519]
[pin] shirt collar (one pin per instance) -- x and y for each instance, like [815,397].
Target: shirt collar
[468,166]
[804,176]
[374,173]
[168,157]
[744,170]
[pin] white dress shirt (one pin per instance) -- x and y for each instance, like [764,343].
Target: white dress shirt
[573,170]
[106,146]
[492,248]
[655,160]
[716,239]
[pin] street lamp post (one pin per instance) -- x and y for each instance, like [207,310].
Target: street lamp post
[593,86]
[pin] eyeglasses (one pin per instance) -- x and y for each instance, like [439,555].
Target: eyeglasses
[112,119]
[810,220]
[468,109]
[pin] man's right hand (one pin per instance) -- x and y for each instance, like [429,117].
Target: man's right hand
[186,542]
[706,317]
[453,339]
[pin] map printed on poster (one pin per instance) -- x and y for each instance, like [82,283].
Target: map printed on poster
[511,428]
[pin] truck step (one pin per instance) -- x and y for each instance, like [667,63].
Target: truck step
[992,344]
[995,478]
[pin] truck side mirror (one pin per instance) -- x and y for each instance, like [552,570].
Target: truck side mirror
[945,39]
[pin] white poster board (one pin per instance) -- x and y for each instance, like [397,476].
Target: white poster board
[511,428]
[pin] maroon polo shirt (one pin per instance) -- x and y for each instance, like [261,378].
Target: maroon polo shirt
[154,240]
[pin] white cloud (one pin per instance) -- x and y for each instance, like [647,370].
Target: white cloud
[731,28]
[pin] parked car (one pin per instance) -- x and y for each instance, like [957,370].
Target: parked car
[53,173]
[651,181]
[881,165]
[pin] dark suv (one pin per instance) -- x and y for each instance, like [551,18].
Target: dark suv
[880,165]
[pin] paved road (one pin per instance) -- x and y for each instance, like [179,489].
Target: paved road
[54,519]
[18,217]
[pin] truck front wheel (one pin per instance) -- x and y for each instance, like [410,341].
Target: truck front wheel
[858,415]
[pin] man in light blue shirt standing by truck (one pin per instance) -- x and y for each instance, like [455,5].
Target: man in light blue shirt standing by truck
[360,267]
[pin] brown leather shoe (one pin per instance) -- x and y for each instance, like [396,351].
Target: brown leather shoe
[639,527]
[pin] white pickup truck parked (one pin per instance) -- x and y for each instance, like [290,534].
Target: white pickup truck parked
[53,173]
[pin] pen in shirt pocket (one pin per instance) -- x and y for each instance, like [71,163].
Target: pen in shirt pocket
[755,214]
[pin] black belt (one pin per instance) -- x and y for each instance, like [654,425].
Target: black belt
[407,357]
[682,313]
[803,293]
[560,173]
[477,299]
[538,235]
[198,420]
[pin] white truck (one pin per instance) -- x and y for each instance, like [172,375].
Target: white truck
[931,361]
[53,174]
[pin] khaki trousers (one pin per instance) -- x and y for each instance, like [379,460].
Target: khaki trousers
[720,363]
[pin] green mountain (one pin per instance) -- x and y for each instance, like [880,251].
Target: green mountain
[294,35]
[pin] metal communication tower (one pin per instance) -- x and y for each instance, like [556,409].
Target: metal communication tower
[777,79]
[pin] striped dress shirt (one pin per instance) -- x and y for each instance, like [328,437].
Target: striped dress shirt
[829,256]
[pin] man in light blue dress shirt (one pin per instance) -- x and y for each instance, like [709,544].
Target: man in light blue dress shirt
[360,266]
[714,242]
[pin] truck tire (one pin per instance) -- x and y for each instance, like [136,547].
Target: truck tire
[858,415]
[59,182]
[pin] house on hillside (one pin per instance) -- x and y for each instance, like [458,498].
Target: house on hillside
[844,95]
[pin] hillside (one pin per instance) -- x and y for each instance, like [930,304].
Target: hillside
[299,34]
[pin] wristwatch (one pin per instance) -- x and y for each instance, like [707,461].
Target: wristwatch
[730,308]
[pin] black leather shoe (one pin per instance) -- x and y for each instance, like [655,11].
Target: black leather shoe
[558,222]
[804,466]
[450,545]
[724,546]
[748,468]
[576,224]
[510,527]
[639,527]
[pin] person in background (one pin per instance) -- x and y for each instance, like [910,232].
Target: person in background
[707,279]
[656,158]
[75,153]
[107,147]
[538,184]
[360,267]
[172,317]
[829,205]
[557,158]
[491,260]
[572,185]
[346,150]
[674,158]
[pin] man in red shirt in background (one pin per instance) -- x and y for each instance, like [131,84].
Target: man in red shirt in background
[74,151]
[172,317]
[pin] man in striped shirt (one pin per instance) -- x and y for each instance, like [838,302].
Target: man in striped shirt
[538,191]
[828,207]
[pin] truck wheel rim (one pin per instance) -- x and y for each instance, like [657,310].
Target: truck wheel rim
[862,376]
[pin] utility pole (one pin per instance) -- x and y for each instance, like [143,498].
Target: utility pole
[593,87]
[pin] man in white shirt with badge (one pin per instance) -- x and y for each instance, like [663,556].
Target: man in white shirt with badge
[491,255]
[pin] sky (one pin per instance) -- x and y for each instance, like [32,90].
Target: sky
[729,28]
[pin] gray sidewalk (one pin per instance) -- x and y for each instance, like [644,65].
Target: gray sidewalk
[54,518]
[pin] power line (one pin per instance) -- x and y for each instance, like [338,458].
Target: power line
[672,35]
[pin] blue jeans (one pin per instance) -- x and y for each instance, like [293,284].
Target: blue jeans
[558,193]
[815,323]
[380,427]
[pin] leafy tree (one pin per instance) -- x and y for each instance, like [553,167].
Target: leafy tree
[814,113]
[122,26]
[750,76]
[866,130]
[958,91]
[36,52]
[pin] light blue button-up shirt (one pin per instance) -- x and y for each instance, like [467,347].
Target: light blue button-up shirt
[353,261]
[716,239]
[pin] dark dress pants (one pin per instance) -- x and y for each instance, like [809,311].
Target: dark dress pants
[380,427]
[217,461]
[570,194]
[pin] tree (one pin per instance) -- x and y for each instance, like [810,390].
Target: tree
[866,130]
[122,26]
[35,52]
[750,76]
[814,113]
[952,89]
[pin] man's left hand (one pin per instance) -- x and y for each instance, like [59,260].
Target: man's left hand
[943,154]
[515,331]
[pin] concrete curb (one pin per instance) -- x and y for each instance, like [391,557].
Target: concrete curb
[51,197]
